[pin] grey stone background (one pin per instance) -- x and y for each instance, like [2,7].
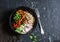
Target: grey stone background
[50,18]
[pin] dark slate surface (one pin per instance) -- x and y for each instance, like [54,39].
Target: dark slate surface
[50,18]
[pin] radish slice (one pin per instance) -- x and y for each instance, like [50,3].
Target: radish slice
[27,28]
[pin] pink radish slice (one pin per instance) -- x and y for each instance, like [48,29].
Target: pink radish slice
[27,28]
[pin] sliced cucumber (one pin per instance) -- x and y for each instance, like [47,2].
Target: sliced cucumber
[20,29]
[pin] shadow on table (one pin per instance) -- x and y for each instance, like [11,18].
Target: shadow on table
[5,20]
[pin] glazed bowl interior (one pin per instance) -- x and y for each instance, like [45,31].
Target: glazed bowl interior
[32,11]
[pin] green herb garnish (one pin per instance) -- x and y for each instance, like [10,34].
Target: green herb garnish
[16,17]
[33,37]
